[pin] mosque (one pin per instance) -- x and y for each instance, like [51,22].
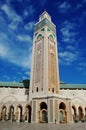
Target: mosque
[43,99]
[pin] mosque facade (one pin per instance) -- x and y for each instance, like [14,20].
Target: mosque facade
[45,99]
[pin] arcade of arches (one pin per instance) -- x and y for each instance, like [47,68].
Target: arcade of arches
[18,113]
[23,114]
[79,113]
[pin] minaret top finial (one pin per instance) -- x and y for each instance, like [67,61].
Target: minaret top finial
[45,15]
[44,10]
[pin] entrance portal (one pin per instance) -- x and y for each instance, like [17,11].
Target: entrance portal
[28,113]
[62,113]
[43,112]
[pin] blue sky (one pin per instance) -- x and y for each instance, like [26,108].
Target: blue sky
[17,18]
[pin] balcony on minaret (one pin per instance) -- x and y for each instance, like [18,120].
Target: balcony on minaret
[44,15]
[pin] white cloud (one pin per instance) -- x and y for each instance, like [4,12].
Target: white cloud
[13,25]
[64,7]
[82,67]
[25,13]
[10,48]
[29,26]
[19,60]
[31,9]
[70,47]
[3,51]
[16,55]
[68,32]
[82,64]
[24,38]
[2,36]
[10,13]
[67,57]
[12,16]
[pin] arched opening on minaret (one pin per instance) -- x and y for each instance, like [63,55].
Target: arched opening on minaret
[43,113]
[37,89]
[62,113]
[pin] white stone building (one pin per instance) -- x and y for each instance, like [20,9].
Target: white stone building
[45,99]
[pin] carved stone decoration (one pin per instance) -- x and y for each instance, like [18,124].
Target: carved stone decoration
[78,100]
[13,91]
[9,99]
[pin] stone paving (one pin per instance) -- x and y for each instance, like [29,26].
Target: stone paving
[30,126]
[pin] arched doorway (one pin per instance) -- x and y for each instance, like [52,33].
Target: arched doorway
[19,113]
[3,113]
[61,116]
[74,113]
[43,112]
[28,113]
[62,113]
[11,113]
[44,115]
[81,115]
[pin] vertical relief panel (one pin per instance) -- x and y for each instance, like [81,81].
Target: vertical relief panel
[56,110]
[34,111]
[38,64]
[52,66]
[51,110]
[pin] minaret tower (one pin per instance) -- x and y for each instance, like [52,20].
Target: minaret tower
[44,72]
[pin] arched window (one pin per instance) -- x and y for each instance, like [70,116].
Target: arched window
[39,37]
[37,89]
[51,37]
[53,90]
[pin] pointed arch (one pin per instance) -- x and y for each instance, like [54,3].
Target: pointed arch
[62,113]
[39,36]
[19,113]
[62,106]
[80,113]
[51,37]
[74,112]
[43,105]
[28,113]
[3,112]
[43,117]
[11,113]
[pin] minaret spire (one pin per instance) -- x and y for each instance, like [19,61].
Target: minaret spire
[44,74]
